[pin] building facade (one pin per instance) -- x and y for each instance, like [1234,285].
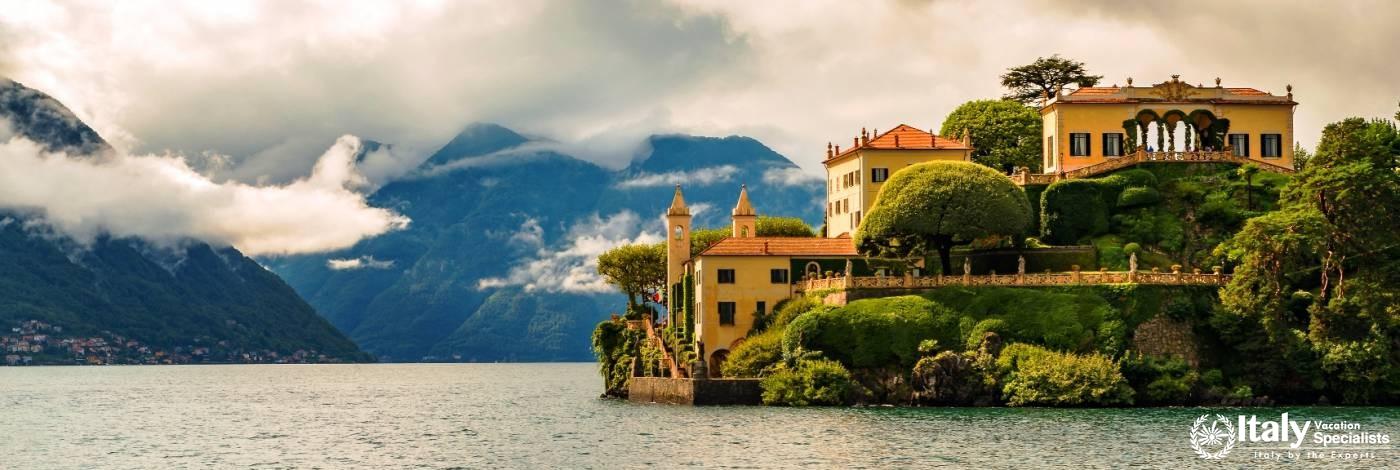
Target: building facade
[1093,125]
[854,175]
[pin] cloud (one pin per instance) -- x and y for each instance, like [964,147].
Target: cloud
[699,177]
[161,199]
[789,177]
[359,263]
[268,82]
[574,266]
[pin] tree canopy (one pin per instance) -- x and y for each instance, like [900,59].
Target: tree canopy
[638,270]
[936,205]
[1046,76]
[1005,133]
[1325,266]
[769,226]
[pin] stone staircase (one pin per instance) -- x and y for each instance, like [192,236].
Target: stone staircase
[668,359]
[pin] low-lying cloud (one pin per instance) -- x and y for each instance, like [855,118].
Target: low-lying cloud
[699,177]
[574,266]
[363,262]
[789,177]
[160,198]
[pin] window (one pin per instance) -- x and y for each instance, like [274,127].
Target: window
[1112,144]
[761,308]
[879,175]
[828,209]
[1079,144]
[778,276]
[1271,145]
[679,232]
[726,276]
[726,313]
[1240,143]
[857,219]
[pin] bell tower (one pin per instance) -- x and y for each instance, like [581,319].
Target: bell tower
[745,220]
[677,239]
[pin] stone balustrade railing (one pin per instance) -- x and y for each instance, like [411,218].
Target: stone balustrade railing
[1024,178]
[1176,278]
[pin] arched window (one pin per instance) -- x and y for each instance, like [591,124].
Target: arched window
[744,232]
[813,269]
[679,232]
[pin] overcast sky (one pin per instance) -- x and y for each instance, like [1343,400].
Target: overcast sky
[273,84]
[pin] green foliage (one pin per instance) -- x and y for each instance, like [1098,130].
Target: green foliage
[638,270]
[1033,375]
[1076,209]
[771,226]
[810,382]
[705,238]
[1138,196]
[873,333]
[1005,134]
[615,346]
[1131,248]
[933,206]
[989,325]
[1159,380]
[755,355]
[1045,77]
[1067,320]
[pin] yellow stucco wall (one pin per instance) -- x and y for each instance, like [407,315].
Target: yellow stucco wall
[752,284]
[862,194]
[1062,119]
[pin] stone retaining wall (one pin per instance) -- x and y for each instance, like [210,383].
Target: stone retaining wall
[1162,336]
[694,392]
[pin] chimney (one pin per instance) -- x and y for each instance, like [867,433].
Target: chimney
[896,141]
[828,151]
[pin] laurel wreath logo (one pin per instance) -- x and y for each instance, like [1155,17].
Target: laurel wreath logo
[1212,440]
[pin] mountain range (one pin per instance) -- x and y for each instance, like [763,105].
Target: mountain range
[167,298]
[494,266]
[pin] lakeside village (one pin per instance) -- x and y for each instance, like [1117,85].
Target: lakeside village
[1170,249]
[33,342]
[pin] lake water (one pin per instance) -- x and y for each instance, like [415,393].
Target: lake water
[550,416]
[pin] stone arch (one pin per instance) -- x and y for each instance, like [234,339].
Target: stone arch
[717,359]
[812,269]
[1172,119]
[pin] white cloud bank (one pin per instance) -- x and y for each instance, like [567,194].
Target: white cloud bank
[362,262]
[161,199]
[700,177]
[574,267]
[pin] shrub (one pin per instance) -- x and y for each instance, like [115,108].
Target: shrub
[873,332]
[811,382]
[1033,375]
[1065,320]
[615,347]
[1159,380]
[1075,209]
[1138,196]
[1131,248]
[787,310]
[993,325]
[755,355]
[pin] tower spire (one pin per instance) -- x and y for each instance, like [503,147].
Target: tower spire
[743,207]
[678,204]
[744,217]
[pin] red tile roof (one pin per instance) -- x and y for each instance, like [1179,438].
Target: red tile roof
[906,137]
[1246,92]
[782,246]
[1099,90]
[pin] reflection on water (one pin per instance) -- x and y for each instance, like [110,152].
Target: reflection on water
[545,415]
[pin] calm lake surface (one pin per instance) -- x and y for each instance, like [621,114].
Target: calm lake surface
[549,415]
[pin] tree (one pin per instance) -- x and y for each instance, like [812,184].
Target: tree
[936,205]
[1334,239]
[1005,133]
[1247,173]
[1045,76]
[782,227]
[638,270]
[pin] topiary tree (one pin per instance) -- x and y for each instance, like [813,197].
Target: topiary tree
[769,226]
[1005,134]
[935,206]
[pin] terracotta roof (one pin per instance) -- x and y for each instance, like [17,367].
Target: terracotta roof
[1096,90]
[905,137]
[782,246]
[1246,92]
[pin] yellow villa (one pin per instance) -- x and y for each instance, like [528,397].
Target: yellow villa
[728,285]
[1093,125]
[854,175]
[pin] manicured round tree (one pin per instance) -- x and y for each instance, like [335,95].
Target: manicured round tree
[935,206]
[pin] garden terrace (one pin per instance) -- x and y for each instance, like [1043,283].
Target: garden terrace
[1023,178]
[1072,278]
